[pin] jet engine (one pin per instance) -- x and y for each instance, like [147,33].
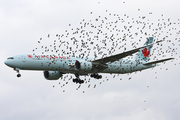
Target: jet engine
[86,66]
[52,75]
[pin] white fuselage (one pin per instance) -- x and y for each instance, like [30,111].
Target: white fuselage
[66,64]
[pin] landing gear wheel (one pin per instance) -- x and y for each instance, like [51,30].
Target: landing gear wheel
[81,81]
[18,75]
[92,75]
[77,80]
[74,80]
[95,75]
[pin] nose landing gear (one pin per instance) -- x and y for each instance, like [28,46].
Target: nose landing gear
[18,75]
[17,70]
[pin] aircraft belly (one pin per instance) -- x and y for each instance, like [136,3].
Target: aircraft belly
[39,65]
[143,67]
[116,68]
[125,68]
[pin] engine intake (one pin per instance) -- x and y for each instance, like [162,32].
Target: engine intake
[52,75]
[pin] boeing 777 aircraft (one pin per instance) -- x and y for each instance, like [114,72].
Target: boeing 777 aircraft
[55,66]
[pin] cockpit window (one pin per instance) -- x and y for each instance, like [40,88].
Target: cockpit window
[10,58]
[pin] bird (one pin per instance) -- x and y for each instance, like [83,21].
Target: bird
[84,40]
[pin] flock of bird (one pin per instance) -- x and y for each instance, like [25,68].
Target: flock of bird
[110,34]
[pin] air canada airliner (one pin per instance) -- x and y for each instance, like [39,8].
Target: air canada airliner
[55,66]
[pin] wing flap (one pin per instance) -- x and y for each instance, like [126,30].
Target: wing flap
[158,61]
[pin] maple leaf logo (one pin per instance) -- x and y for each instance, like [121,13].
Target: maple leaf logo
[30,56]
[145,52]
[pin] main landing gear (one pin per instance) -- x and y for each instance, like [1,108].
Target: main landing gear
[95,75]
[77,79]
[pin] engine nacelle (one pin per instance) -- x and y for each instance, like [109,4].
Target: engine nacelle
[52,75]
[85,66]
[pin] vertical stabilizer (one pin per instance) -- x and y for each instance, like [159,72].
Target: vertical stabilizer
[144,53]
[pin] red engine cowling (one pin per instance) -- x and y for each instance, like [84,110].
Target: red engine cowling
[52,75]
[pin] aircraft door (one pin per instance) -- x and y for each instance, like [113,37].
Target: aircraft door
[23,58]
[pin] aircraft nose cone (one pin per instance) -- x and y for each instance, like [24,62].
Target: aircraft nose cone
[5,62]
[8,63]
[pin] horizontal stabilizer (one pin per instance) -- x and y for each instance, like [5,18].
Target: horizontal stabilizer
[158,61]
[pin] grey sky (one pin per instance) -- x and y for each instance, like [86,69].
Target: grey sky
[30,97]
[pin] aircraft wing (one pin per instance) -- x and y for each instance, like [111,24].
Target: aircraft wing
[119,56]
[158,61]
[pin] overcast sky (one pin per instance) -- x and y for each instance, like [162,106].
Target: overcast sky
[150,94]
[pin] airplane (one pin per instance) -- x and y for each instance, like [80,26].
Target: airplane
[54,67]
